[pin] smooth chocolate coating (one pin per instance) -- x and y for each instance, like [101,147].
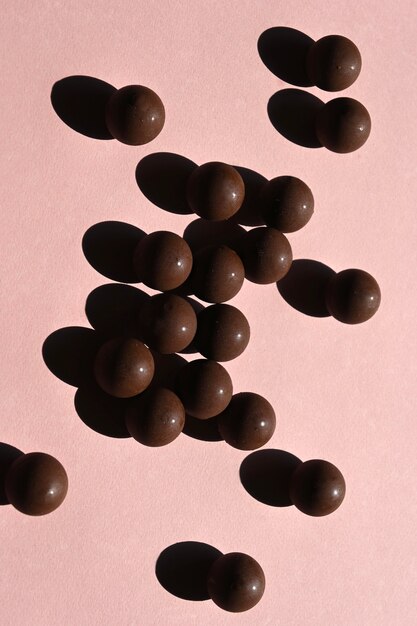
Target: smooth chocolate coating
[163,260]
[223,332]
[135,115]
[343,125]
[123,367]
[353,296]
[204,387]
[317,488]
[287,203]
[218,274]
[156,417]
[36,483]
[167,323]
[333,63]
[266,255]
[248,422]
[215,191]
[236,582]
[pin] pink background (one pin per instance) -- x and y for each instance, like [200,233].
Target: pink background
[346,394]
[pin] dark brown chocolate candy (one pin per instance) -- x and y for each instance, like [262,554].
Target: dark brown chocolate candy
[215,191]
[248,422]
[317,488]
[204,387]
[222,332]
[167,323]
[287,203]
[124,367]
[343,125]
[333,63]
[236,582]
[353,296]
[36,483]
[218,274]
[135,115]
[156,417]
[163,260]
[266,255]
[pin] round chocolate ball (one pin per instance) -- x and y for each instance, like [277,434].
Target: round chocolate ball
[333,63]
[343,125]
[287,203]
[215,191]
[163,260]
[266,255]
[218,274]
[135,115]
[204,387]
[248,422]
[167,323]
[353,296]
[236,582]
[156,417]
[222,332]
[123,367]
[36,483]
[317,488]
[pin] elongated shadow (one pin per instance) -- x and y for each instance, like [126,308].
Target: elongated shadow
[114,309]
[204,430]
[201,233]
[8,454]
[109,247]
[69,354]
[249,213]
[162,177]
[101,412]
[304,287]
[293,114]
[266,475]
[284,52]
[182,569]
[80,102]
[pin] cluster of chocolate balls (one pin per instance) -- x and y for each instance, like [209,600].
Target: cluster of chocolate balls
[169,322]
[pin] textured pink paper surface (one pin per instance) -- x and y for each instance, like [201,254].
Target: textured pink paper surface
[346,394]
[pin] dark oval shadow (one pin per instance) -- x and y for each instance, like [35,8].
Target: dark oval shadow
[249,213]
[203,430]
[101,412]
[201,233]
[109,247]
[167,367]
[304,287]
[8,454]
[293,114]
[284,51]
[69,354]
[182,569]
[162,177]
[80,102]
[114,309]
[266,475]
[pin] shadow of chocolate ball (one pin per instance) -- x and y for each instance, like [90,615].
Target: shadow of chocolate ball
[304,287]
[203,430]
[102,413]
[293,113]
[8,454]
[266,476]
[109,247]
[200,234]
[249,213]
[284,52]
[114,310]
[182,569]
[80,102]
[69,354]
[162,177]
